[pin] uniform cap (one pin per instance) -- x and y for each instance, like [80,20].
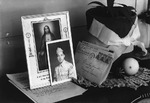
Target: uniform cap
[58,50]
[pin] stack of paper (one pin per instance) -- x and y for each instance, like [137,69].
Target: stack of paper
[93,62]
[46,94]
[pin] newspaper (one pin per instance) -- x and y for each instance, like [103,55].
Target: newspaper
[47,94]
[93,62]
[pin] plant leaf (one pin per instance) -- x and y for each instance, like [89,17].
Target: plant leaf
[122,4]
[110,3]
[97,2]
[130,8]
[127,11]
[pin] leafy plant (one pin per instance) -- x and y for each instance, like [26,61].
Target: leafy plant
[116,11]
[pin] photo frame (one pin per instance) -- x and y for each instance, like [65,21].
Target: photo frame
[37,30]
[61,61]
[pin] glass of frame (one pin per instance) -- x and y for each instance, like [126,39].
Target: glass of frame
[37,31]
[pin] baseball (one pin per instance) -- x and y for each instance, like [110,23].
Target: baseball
[131,66]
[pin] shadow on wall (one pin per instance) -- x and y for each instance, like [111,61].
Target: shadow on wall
[12,51]
[12,55]
[12,24]
[11,12]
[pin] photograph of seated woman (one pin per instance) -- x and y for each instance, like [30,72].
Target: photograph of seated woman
[65,69]
[42,56]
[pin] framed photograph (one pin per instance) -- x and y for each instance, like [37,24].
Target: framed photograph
[37,31]
[61,61]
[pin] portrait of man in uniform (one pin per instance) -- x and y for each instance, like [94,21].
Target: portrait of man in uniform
[61,63]
[65,69]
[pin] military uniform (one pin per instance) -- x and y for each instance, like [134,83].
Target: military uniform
[64,71]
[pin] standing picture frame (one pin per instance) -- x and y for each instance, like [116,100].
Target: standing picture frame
[37,30]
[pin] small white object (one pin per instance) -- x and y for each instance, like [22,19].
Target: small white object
[131,66]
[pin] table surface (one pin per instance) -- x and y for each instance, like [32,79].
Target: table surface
[10,94]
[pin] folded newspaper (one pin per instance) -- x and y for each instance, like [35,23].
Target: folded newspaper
[47,94]
[93,63]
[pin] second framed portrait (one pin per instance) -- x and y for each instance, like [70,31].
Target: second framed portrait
[37,31]
[61,61]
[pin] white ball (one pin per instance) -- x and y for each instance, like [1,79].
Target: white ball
[131,66]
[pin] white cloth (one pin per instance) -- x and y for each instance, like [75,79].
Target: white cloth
[109,37]
[145,33]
